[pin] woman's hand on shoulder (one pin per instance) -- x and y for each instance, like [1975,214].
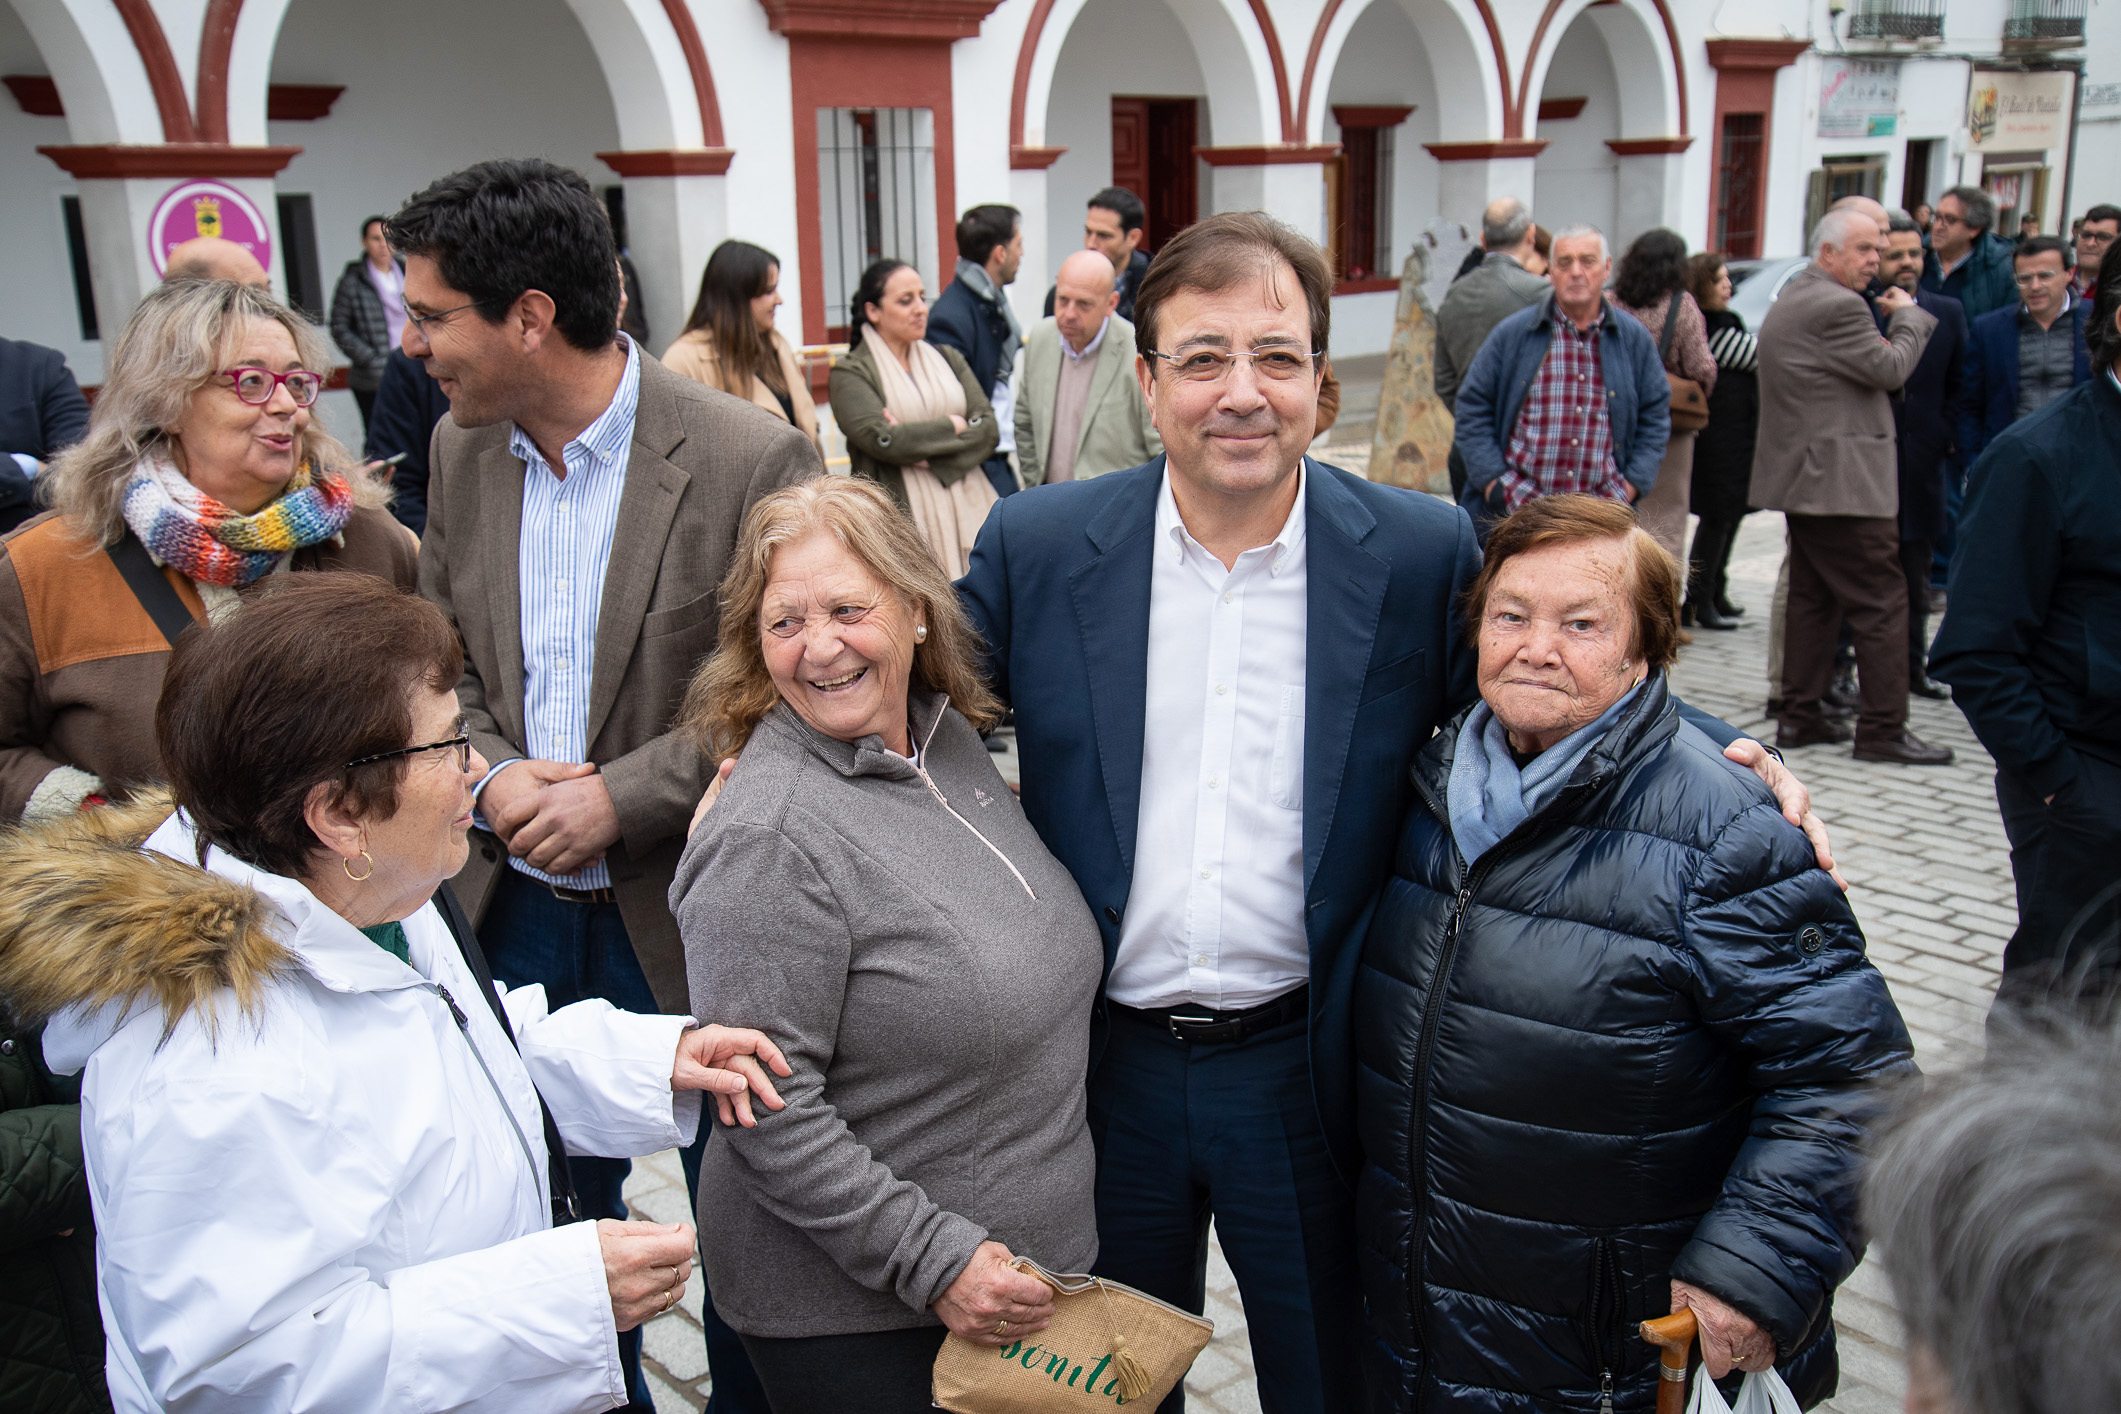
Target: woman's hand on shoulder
[1730,1340]
[725,1062]
[1791,795]
[991,1303]
[646,1266]
[714,793]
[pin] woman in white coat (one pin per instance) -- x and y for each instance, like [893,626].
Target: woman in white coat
[317,1160]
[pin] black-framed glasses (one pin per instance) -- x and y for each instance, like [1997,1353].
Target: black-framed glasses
[257,385]
[1213,365]
[421,321]
[462,744]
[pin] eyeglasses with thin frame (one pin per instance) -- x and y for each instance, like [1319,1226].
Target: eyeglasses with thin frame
[421,321]
[461,743]
[2040,277]
[257,385]
[1214,365]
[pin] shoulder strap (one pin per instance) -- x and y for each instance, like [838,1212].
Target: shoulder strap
[566,1207]
[150,586]
[1671,326]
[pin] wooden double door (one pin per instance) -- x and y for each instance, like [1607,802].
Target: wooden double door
[1152,156]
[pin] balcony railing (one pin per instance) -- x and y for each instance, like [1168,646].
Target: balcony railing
[1904,21]
[2045,22]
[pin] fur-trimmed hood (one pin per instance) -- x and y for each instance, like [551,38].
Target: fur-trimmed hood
[90,920]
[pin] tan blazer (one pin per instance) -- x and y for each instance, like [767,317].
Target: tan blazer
[1116,431]
[700,459]
[1826,415]
[694,356]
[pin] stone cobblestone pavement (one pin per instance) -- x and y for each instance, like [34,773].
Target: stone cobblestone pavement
[1929,874]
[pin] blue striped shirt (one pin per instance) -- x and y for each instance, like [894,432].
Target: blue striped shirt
[563,550]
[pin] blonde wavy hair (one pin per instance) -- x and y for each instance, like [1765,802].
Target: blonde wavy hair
[178,339]
[732,691]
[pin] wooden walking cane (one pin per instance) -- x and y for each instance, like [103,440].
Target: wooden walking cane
[1674,1336]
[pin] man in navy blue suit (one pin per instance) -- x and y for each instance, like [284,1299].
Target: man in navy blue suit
[2024,356]
[1222,664]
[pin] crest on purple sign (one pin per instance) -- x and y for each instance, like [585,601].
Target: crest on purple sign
[202,208]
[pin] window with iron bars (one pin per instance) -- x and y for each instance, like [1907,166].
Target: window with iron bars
[876,198]
[1905,20]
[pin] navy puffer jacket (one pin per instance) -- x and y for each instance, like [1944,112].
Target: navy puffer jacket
[1633,1044]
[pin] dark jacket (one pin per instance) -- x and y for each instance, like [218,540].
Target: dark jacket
[408,405]
[1497,289]
[1991,394]
[51,1334]
[1130,281]
[880,450]
[358,326]
[1628,1047]
[2031,638]
[1985,280]
[1723,450]
[1926,419]
[1638,396]
[42,413]
[961,320]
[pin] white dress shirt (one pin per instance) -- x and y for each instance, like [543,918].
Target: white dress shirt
[563,549]
[1215,917]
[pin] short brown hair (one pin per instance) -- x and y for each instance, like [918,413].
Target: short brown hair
[1701,273]
[1216,253]
[316,671]
[733,691]
[1653,575]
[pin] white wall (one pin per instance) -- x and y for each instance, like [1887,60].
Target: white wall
[1384,63]
[39,301]
[1577,174]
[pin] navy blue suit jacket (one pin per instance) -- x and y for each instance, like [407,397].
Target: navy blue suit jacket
[1992,373]
[961,320]
[1059,588]
[1926,417]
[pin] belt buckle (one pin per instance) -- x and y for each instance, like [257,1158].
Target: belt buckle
[1173,1021]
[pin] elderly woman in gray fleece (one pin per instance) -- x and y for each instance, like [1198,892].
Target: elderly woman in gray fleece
[867,891]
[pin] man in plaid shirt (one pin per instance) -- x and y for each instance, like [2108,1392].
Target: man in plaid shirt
[1568,395]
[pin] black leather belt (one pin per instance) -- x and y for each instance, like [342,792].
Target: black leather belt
[607,894]
[1198,1026]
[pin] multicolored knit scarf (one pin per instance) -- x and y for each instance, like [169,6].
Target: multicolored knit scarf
[206,541]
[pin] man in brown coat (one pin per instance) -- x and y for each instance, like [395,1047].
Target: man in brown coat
[1825,458]
[583,506]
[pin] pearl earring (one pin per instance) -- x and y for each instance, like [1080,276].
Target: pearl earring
[920,633]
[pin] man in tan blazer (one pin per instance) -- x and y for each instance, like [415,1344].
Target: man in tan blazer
[1081,412]
[583,505]
[1826,459]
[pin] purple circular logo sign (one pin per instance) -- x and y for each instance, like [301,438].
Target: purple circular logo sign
[193,209]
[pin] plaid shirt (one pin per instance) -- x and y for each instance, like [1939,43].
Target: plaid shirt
[1563,440]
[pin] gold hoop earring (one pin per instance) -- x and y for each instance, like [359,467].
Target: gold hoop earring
[347,865]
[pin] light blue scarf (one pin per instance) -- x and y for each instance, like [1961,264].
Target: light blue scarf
[1489,797]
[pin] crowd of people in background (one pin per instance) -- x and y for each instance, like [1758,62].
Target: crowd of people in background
[402,879]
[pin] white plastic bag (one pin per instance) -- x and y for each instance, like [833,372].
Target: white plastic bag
[1760,1394]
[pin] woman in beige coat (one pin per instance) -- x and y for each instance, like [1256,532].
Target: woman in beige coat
[730,342]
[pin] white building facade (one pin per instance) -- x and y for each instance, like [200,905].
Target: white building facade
[834,131]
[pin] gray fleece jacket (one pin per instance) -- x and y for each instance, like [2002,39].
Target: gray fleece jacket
[929,968]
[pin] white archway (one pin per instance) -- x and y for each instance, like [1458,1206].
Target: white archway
[1470,102]
[1617,162]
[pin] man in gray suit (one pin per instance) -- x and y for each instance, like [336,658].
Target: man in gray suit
[1081,412]
[1825,458]
[583,504]
[1495,289]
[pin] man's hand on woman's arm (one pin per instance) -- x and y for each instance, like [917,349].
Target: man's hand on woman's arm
[1791,795]
[725,1062]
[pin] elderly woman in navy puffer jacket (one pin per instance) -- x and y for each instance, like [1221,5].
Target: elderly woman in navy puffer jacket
[1615,1027]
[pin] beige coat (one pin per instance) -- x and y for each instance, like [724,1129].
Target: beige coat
[693,355]
[1116,431]
[1826,415]
[700,459]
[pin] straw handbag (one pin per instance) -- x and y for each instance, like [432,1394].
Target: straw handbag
[1108,1345]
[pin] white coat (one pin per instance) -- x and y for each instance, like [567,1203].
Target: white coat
[340,1203]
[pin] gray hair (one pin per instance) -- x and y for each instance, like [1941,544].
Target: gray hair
[1578,232]
[1994,1194]
[178,338]
[1834,228]
[1899,223]
[1504,223]
[1980,206]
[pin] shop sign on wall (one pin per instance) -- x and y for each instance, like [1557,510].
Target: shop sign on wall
[1859,97]
[2009,112]
[202,208]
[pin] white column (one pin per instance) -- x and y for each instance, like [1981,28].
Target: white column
[672,225]
[1027,193]
[1650,186]
[1294,192]
[115,214]
[1464,188]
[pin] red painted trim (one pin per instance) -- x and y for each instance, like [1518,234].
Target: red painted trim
[1033,159]
[1020,91]
[1539,34]
[1370,286]
[1318,44]
[1755,53]
[172,159]
[922,20]
[1357,115]
[696,64]
[711,162]
[1291,124]
[1485,151]
[161,65]
[1560,109]
[301,102]
[1671,40]
[217,38]
[1648,146]
[1276,156]
[35,94]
